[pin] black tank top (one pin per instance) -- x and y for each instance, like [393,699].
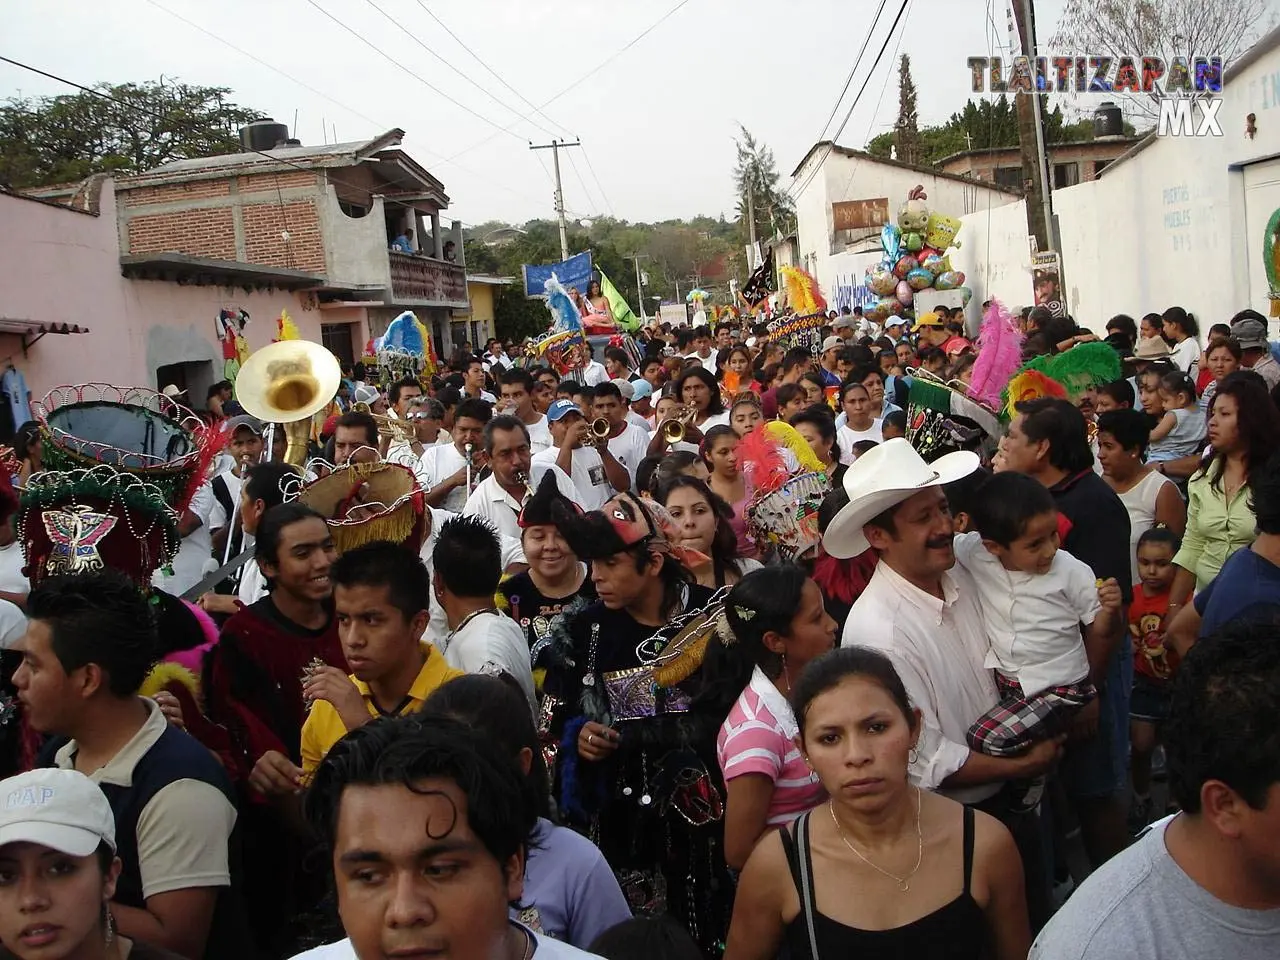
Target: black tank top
[956,931]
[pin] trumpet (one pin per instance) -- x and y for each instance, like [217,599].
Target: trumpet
[522,478]
[600,430]
[673,431]
[400,431]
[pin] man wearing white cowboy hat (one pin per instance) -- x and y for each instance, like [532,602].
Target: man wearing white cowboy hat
[922,611]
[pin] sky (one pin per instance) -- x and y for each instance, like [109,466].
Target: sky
[657,120]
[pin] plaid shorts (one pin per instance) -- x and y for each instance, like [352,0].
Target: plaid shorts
[1007,729]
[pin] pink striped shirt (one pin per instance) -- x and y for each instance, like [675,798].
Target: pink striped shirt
[758,736]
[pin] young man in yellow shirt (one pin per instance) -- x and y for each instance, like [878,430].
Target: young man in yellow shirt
[380,596]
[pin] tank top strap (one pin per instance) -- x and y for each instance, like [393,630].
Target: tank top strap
[795,844]
[968,848]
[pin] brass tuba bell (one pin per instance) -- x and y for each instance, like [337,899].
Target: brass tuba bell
[289,382]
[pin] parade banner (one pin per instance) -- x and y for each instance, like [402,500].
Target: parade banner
[574,272]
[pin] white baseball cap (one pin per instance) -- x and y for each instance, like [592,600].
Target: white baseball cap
[60,809]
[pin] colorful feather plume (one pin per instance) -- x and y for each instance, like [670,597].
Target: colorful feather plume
[1083,366]
[999,355]
[803,293]
[790,439]
[1032,385]
[286,329]
[763,465]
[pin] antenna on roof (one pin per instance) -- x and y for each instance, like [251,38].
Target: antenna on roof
[294,132]
[324,129]
[335,133]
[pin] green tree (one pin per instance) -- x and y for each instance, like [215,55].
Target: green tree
[65,138]
[906,132]
[756,173]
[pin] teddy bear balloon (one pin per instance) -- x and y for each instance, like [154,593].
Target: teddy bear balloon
[913,220]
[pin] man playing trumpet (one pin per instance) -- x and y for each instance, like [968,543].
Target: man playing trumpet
[582,452]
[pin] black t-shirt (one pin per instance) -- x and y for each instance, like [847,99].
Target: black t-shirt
[534,610]
[1098,530]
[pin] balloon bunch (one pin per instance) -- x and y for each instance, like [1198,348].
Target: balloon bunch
[915,258]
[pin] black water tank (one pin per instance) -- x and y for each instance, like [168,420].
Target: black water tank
[263,135]
[1108,121]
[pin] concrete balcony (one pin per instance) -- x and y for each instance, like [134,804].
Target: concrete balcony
[422,281]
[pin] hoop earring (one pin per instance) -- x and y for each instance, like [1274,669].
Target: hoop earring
[913,756]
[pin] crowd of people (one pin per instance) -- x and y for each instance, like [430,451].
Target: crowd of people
[576,691]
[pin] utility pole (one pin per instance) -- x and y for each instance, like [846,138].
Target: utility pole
[639,285]
[1031,138]
[751,213]
[555,146]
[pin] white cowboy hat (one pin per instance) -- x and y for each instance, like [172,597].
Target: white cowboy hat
[881,478]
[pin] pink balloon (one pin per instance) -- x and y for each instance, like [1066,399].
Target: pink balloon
[904,293]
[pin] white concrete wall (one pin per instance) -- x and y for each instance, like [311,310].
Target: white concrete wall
[355,249]
[859,178]
[1166,226]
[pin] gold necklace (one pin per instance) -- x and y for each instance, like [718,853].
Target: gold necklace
[903,883]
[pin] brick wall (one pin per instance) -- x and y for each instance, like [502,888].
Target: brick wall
[263,224]
[175,192]
[197,233]
[259,182]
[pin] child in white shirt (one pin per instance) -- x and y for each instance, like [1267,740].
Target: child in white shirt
[1035,598]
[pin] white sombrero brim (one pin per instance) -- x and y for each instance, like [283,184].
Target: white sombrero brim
[844,537]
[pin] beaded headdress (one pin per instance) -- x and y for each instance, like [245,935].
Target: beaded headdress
[364,502]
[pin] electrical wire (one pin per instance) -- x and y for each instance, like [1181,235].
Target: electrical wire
[426,83]
[600,186]
[376,123]
[416,39]
[852,70]
[582,183]
[588,75]
[494,73]
[241,148]
[849,113]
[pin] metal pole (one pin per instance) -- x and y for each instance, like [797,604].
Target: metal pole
[555,146]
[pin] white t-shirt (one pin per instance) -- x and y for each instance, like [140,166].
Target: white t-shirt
[589,480]
[438,626]
[439,464]
[217,514]
[539,435]
[636,420]
[491,643]
[12,579]
[402,453]
[846,436]
[196,549]
[13,624]
[1186,355]
[545,948]
[629,448]
[502,510]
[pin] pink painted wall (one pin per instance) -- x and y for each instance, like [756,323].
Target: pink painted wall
[60,265]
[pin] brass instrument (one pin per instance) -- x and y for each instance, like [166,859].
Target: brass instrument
[522,478]
[400,431]
[673,431]
[361,407]
[468,448]
[289,382]
[600,430]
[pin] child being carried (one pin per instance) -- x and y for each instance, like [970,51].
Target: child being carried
[1035,598]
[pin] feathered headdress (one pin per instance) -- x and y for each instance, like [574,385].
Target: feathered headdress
[786,484]
[1071,373]
[999,355]
[564,315]
[1031,385]
[803,293]
[286,329]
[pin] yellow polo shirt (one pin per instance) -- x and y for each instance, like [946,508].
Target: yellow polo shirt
[324,727]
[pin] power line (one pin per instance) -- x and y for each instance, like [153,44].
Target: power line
[138,108]
[600,186]
[426,83]
[849,113]
[416,39]
[494,73]
[586,76]
[852,70]
[582,183]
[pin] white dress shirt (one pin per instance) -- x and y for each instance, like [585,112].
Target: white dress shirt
[437,631]
[1033,619]
[939,648]
[439,464]
[502,510]
[594,374]
[196,550]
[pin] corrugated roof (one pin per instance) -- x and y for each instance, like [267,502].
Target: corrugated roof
[918,168]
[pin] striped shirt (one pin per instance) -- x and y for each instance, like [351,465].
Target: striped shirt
[758,736]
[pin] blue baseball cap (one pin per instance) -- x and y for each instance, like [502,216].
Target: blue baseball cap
[561,409]
[643,390]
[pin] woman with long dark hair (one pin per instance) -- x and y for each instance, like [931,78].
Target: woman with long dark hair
[776,624]
[703,521]
[884,868]
[570,894]
[1244,430]
[726,480]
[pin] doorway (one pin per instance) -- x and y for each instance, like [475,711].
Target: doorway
[336,338]
[194,377]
